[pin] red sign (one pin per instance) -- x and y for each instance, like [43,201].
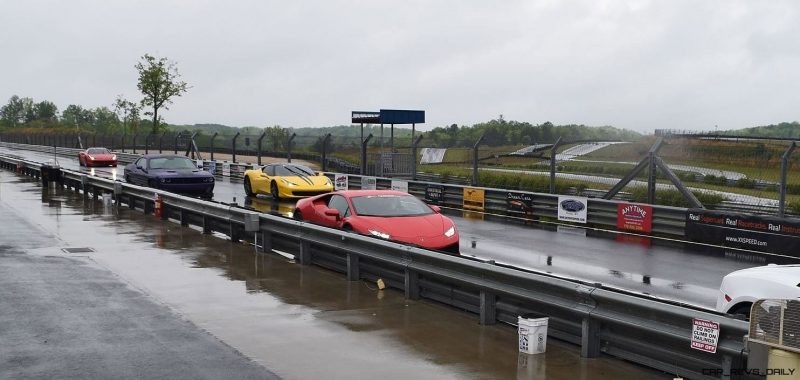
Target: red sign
[705,335]
[635,217]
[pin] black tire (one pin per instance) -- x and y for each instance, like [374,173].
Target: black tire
[128,179]
[273,189]
[297,215]
[248,189]
[347,228]
[742,309]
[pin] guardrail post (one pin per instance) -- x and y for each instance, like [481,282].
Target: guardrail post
[784,171]
[289,147]
[475,160]
[184,218]
[414,156]
[325,142]
[305,252]
[206,225]
[353,271]
[233,145]
[412,284]
[260,138]
[553,165]
[364,154]
[212,145]
[488,308]
[266,241]
[233,232]
[590,338]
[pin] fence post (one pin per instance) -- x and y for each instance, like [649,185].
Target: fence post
[784,171]
[175,142]
[134,143]
[325,152]
[233,146]
[414,157]
[364,154]
[553,165]
[260,138]
[289,147]
[475,160]
[651,176]
[147,143]
[212,145]
[161,142]
[122,142]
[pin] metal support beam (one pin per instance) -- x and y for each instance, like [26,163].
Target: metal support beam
[353,272]
[364,154]
[414,158]
[266,241]
[693,201]
[784,171]
[260,139]
[305,252]
[553,165]
[412,284]
[233,146]
[645,162]
[184,218]
[475,160]
[651,174]
[488,308]
[325,142]
[590,338]
[289,147]
[212,145]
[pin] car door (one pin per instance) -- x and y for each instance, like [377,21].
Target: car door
[336,202]
[139,176]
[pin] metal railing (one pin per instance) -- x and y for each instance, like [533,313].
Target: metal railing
[638,328]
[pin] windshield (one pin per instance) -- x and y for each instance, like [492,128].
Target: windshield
[98,151]
[293,170]
[390,205]
[172,163]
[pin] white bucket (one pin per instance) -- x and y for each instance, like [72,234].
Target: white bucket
[532,335]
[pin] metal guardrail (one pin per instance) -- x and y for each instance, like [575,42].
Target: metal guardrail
[638,328]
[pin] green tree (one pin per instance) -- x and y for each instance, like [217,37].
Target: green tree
[45,110]
[13,113]
[159,82]
[104,120]
[75,115]
[128,113]
[277,137]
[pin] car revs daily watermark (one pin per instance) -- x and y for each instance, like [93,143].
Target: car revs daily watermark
[718,372]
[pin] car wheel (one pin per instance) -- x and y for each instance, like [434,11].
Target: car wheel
[273,189]
[347,228]
[742,309]
[248,189]
[297,215]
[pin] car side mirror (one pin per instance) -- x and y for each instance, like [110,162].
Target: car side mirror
[333,212]
[436,209]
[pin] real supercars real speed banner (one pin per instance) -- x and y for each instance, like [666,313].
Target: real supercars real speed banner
[753,232]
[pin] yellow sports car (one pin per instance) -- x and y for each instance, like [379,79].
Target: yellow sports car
[286,181]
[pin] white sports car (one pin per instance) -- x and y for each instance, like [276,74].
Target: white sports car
[741,288]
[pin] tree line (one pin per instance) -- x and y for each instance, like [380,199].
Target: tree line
[159,83]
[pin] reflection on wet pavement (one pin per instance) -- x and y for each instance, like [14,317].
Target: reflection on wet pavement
[300,322]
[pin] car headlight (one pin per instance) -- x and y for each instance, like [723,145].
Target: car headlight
[287,182]
[114,157]
[91,158]
[450,232]
[208,179]
[162,180]
[379,234]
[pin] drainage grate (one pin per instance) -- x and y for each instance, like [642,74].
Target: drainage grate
[77,250]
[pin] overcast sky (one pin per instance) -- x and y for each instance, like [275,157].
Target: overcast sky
[632,64]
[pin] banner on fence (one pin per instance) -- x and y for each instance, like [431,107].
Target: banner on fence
[520,204]
[226,169]
[340,182]
[369,183]
[398,185]
[572,209]
[473,199]
[434,194]
[754,232]
[635,217]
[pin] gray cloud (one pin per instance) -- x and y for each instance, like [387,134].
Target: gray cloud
[635,64]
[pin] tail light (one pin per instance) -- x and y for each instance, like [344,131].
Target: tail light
[727,298]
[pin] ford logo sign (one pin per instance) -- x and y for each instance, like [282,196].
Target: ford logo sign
[572,205]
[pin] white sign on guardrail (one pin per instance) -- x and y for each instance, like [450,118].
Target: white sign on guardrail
[398,185]
[572,209]
[705,335]
[369,183]
[340,181]
[226,169]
